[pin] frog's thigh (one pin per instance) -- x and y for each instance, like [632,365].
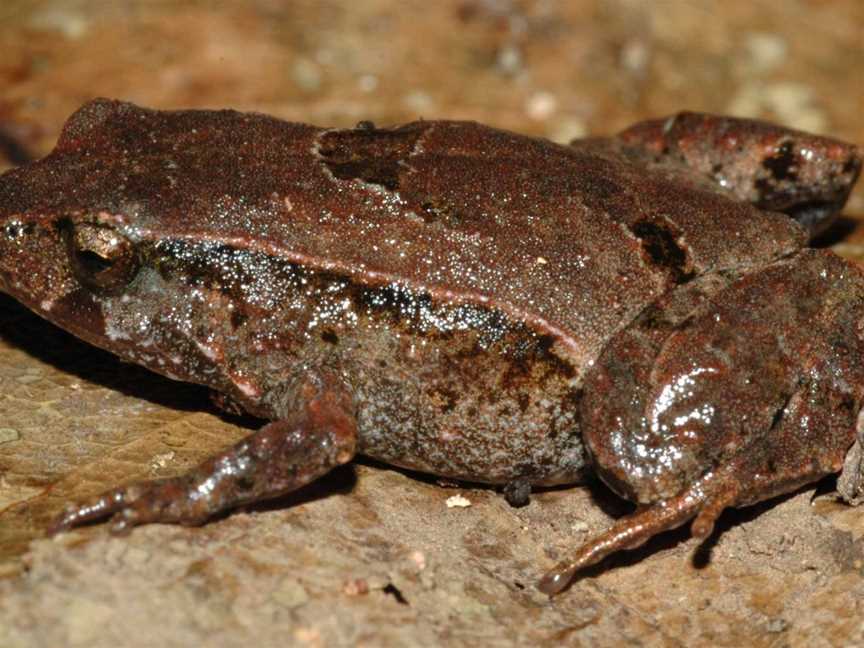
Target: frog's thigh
[768,467]
[319,434]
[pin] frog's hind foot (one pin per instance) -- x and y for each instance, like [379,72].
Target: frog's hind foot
[627,533]
[282,456]
[705,500]
[748,478]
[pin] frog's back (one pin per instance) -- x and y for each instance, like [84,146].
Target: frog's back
[572,241]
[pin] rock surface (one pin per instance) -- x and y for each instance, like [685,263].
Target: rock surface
[371,556]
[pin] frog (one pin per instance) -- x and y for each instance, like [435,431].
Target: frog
[463,301]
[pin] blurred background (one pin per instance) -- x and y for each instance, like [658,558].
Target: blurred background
[556,69]
[381,560]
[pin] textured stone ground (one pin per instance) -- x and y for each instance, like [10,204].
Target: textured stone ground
[372,556]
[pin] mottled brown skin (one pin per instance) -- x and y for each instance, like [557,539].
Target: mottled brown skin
[774,168]
[463,301]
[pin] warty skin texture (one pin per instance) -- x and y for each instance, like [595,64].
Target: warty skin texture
[460,300]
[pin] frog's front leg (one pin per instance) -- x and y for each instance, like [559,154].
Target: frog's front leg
[320,434]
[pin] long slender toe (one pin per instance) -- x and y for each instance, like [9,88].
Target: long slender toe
[96,509]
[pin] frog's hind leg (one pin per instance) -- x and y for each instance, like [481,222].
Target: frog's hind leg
[627,533]
[318,435]
[744,479]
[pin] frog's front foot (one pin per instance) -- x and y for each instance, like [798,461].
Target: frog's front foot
[163,500]
[850,484]
[281,457]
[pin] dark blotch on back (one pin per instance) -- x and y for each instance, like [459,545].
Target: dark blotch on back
[782,164]
[662,247]
[370,154]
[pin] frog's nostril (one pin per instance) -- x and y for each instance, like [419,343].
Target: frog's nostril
[15,229]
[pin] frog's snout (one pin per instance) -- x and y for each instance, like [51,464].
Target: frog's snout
[12,232]
[33,259]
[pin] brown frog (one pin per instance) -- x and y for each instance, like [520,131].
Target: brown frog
[464,301]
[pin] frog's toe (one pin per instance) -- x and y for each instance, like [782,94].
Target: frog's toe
[724,495]
[95,509]
[850,484]
[162,500]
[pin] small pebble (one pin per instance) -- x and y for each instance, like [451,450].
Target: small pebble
[458,501]
[355,587]
[541,105]
[419,559]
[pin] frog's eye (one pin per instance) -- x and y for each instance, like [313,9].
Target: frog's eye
[102,259]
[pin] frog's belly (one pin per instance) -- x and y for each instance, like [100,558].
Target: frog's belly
[467,406]
[457,390]
[467,429]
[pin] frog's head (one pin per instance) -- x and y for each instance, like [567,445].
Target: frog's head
[65,266]
[82,246]
[92,274]
[67,247]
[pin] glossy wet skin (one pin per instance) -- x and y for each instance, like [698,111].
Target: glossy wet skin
[460,300]
[717,380]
